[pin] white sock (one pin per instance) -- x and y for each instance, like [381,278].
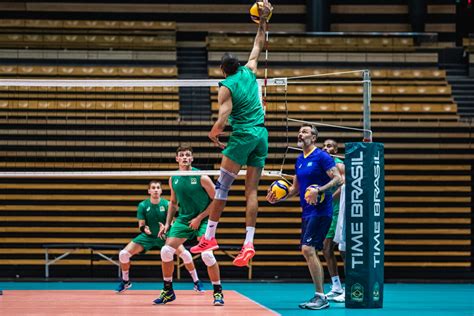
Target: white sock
[216,282]
[194,275]
[336,283]
[125,275]
[321,295]
[170,279]
[211,230]
[250,233]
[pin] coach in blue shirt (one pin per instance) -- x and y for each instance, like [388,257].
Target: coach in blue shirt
[316,173]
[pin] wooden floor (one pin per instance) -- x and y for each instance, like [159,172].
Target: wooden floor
[95,302]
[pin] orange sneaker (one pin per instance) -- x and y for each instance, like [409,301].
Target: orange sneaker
[245,255]
[205,245]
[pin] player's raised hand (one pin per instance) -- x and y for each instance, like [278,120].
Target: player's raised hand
[265,10]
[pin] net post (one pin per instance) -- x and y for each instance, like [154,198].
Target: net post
[367,96]
[364,224]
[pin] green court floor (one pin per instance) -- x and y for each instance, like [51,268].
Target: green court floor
[400,299]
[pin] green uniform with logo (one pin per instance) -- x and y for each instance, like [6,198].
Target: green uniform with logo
[153,214]
[335,209]
[192,200]
[248,143]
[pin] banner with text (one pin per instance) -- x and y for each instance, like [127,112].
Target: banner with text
[364,213]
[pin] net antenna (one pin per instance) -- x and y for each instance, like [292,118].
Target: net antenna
[123,117]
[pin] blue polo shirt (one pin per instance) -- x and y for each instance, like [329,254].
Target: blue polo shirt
[312,170]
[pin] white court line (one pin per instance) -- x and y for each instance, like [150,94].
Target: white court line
[263,306]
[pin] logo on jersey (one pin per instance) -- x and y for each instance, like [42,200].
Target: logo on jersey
[309,239]
[193,181]
[300,166]
[176,181]
[162,208]
[309,164]
[148,209]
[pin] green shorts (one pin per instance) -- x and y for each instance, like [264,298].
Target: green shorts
[181,230]
[332,228]
[148,242]
[248,146]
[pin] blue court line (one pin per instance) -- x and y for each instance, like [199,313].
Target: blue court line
[399,299]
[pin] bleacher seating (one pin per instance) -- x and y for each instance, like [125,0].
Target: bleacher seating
[87,34]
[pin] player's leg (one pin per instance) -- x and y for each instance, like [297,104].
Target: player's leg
[187,258]
[167,266]
[255,163]
[213,269]
[214,275]
[339,236]
[124,258]
[251,195]
[228,172]
[331,261]
[328,252]
[314,230]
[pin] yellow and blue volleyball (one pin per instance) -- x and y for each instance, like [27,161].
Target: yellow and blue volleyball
[280,188]
[254,15]
[320,196]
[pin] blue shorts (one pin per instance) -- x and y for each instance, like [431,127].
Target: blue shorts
[314,230]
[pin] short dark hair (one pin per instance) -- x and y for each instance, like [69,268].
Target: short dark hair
[229,63]
[314,130]
[334,143]
[184,148]
[154,181]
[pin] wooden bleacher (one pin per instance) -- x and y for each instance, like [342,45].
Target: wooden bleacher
[394,16]
[313,43]
[468,44]
[87,34]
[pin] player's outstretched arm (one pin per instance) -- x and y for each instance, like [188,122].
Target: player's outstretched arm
[264,13]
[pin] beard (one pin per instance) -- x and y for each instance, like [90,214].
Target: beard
[304,142]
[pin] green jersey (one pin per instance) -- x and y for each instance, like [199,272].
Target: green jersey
[247,110]
[191,197]
[153,214]
[335,202]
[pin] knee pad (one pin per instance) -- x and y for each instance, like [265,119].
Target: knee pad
[186,257]
[226,178]
[208,258]
[124,256]
[167,253]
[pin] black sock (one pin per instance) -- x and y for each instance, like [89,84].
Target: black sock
[168,285]
[217,288]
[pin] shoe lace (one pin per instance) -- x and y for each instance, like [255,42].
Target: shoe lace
[218,296]
[165,293]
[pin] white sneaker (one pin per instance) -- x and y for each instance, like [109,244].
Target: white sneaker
[316,303]
[341,298]
[334,293]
